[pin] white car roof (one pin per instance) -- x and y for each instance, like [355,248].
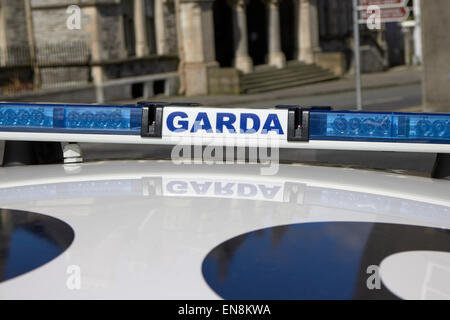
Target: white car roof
[156,230]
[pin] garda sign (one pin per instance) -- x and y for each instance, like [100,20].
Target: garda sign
[224,123]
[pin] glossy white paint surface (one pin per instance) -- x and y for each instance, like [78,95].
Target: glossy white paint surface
[418,275]
[143,228]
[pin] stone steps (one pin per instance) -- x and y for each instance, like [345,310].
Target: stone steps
[286,80]
[293,75]
[283,74]
[278,72]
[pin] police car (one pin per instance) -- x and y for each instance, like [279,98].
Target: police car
[221,228]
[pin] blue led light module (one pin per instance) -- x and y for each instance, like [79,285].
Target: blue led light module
[379,126]
[70,118]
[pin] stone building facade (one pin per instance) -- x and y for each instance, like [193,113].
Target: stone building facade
[436,62]
[243,34]
[13,37]
[202,40]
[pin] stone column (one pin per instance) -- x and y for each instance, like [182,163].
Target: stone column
[242,60]
[308,33]
[161,38]
[417,34]
[276,56]
[197,27]
[2,37]
[97,54]
[408,44]
[140,28]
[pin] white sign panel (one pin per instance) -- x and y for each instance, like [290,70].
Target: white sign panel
[198,122]
[398,14]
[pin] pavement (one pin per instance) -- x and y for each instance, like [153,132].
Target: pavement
[385,99]
[343,89]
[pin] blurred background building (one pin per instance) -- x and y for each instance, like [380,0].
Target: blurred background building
[436,45]
[130,49]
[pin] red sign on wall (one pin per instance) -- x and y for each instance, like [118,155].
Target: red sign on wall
[387,14]
[382,3]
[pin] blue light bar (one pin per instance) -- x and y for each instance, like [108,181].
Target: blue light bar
[127,120]
[379,126]
[70,118]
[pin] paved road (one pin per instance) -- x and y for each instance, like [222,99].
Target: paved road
[390,90]
[382,99]
[392,98]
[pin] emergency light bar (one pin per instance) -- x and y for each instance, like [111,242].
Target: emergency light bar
[70,118]
[291,126]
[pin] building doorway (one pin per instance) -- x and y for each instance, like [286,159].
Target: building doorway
[223,33]
[257,31]
[287,28]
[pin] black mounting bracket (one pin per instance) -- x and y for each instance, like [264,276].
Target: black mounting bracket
[151,125]
[152,115]
[298,121]
[441,169]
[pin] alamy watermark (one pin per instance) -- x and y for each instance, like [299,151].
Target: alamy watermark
[73,281]
[374,17]
[73,22]
[227,150]
[373,281]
